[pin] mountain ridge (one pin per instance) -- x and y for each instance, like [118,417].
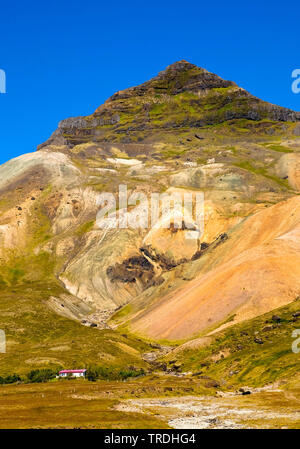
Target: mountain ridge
[182,95]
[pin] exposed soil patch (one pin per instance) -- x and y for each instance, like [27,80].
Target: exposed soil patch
[52,203]
[229,411]
[131,269]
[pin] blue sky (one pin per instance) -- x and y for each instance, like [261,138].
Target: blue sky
[64,58]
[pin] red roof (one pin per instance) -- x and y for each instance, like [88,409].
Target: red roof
[71,371]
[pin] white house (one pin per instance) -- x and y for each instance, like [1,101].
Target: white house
[72,373]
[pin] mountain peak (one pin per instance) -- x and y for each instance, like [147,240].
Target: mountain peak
[179,77]
[181,96]
[180,65]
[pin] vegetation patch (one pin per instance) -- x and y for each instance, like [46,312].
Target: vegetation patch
[252,353]
[85,227]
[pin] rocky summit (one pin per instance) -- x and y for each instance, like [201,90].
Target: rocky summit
[180,98]
[73,293]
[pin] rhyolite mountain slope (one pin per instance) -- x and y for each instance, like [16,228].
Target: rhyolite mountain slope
[186,130]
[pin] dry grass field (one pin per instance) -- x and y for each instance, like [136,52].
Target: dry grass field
[68,405]
[83,404]
[150,402]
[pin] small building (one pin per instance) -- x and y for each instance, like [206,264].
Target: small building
[72,373]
